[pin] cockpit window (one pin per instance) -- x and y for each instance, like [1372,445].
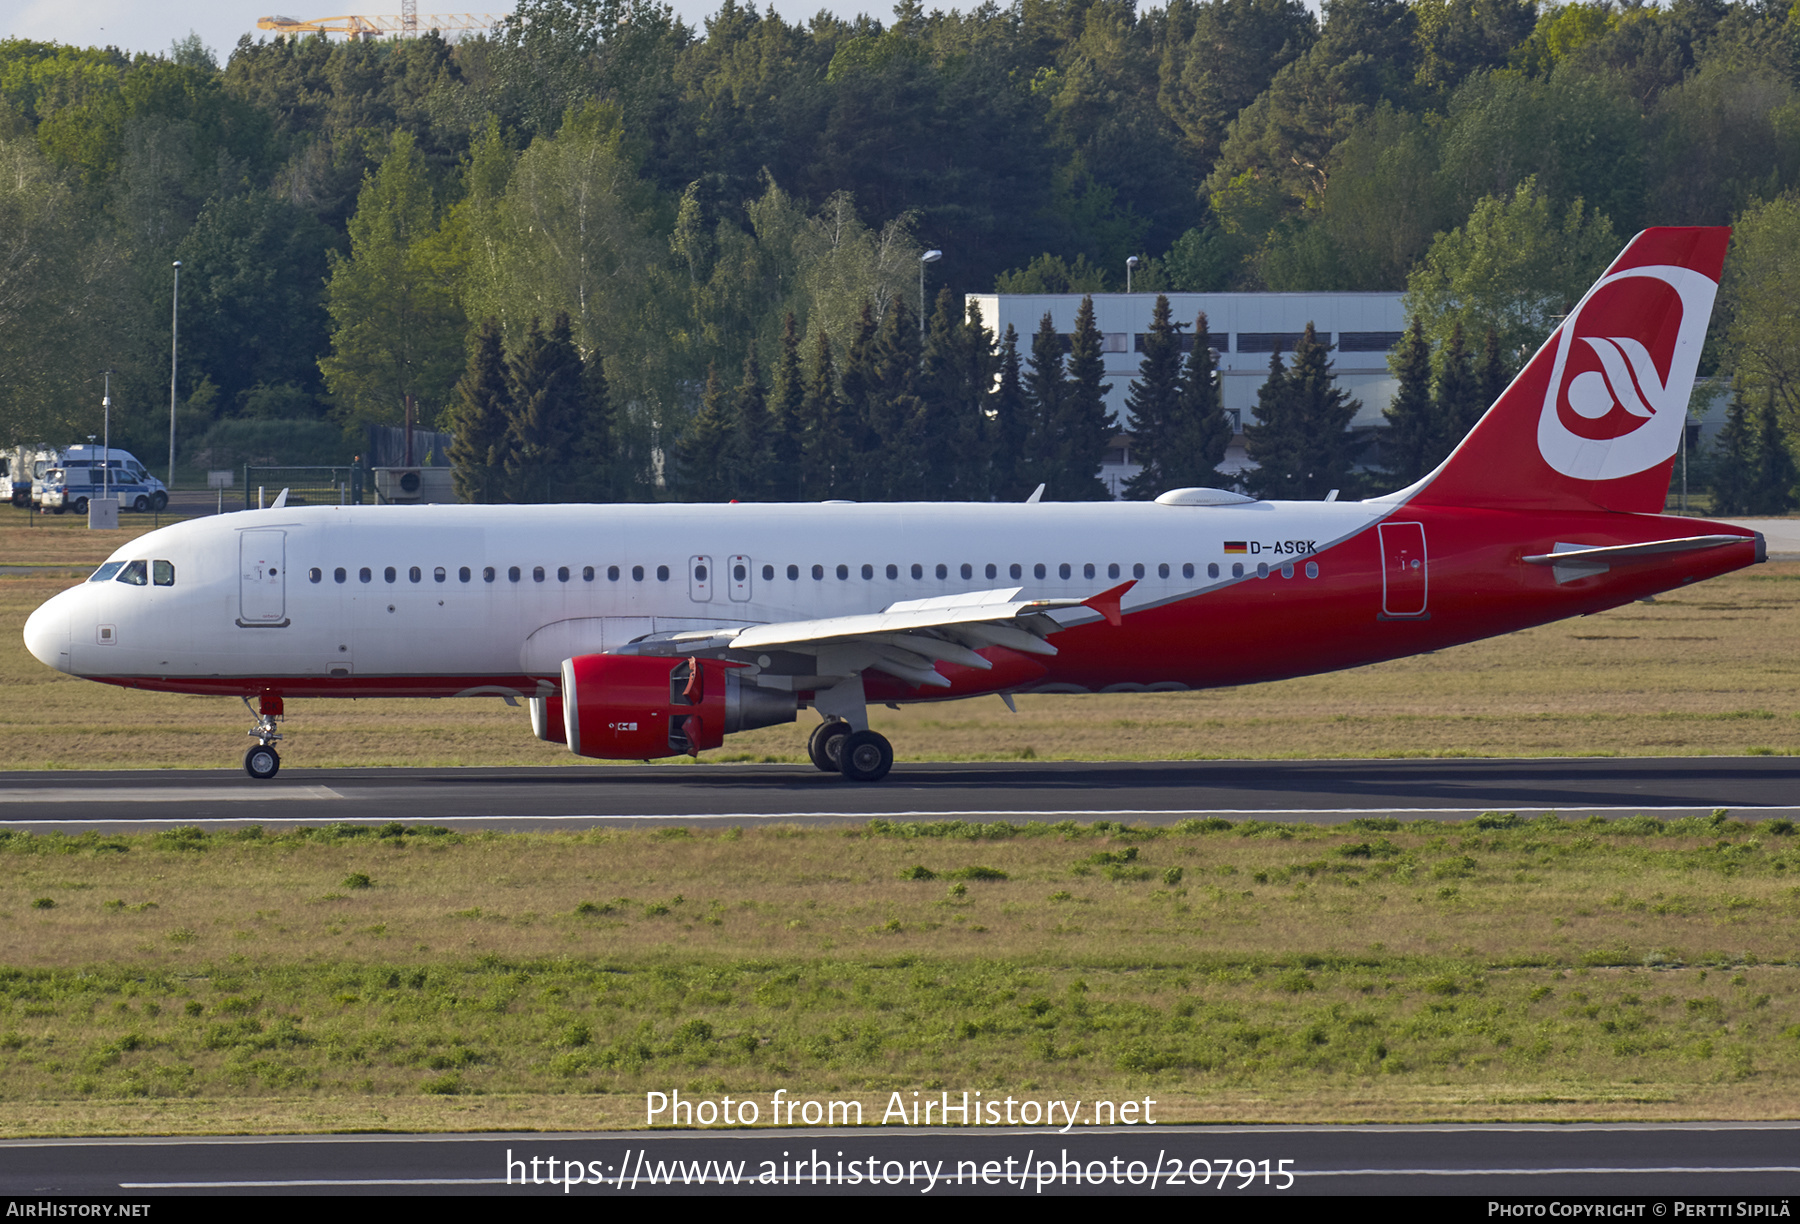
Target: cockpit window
[134,573]
[163,572]
[107,571]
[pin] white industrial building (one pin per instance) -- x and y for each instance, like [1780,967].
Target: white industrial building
[1245,328]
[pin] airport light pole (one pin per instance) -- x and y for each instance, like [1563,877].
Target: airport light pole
[929,257]
[1130,267]
[174,335]
[106,435]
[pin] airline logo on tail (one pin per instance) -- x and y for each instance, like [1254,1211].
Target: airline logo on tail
[1625,362]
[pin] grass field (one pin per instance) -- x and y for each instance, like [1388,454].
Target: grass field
[1707,670]
[1522,967]
[346,978]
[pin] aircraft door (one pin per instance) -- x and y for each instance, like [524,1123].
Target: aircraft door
[1404,572]
[262,578]
[739,573]
[700,579]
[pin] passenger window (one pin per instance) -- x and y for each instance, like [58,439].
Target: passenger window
[637,573]
[512,573]
[133,574]
[1016,570]
[1063,570]
[943,571]
[918,571]
[1237,569]
[818,573]
[612,573]
[699,573]
[587,573]
[1287,571]
[868,572]
[893,571]
[967,570]
[439,574]
[487,573]
[414,574]
[1262,569]
[365,574]
[107,572]
[314,574]
[1087,571]
[993,571]
[1187,569]
[1112,571]
[768,573]
[1162,570]
[1212,569]
[462,575]
[537,573]
[1037,571]
[1312,569]
[1137,571]
[390,573]
[338,574]
[793,573]
[562,573]
[662,573]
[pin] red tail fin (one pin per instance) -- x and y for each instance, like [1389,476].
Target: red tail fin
[1595,418]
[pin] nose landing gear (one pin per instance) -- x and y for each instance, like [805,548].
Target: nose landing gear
[262,761]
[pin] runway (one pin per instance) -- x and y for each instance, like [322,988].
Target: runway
[1155,793]
[1687,1161]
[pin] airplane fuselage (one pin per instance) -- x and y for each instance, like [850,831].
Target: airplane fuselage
[469,600]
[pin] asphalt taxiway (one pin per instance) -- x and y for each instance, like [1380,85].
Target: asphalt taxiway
[1325,792]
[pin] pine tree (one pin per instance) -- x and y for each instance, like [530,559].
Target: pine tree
[546,412]
[1772,491]
[1085,426]
[1045,389]
[860,476]
[480,421]
[1412,444]
[1459,403]
[1154,402]
[956,373]
[747,461]
[897,473]
[785,421]
[1303,445]
[1009,425]
[1493,370]
[701,452]
[596,448]
[824,444]
[1201,432]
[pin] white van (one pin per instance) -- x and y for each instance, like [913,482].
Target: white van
[21,468]
[88,472]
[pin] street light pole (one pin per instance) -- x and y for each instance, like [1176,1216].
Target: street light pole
[929,257]
[106,437]
[174,335]
[1130,267]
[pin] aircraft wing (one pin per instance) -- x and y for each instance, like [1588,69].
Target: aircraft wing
[906,639]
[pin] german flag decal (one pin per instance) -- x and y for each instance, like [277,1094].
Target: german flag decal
[1236,546]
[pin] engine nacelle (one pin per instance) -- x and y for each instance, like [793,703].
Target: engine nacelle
[547,718]
[635,707]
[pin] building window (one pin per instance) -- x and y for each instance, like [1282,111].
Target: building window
[1368,342]
[1267,342]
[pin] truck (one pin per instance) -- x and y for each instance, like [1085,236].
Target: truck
[20,468]
[88,472]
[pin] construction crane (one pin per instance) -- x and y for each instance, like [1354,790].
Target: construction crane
[408,24]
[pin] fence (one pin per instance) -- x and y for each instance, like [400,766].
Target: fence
[306,486]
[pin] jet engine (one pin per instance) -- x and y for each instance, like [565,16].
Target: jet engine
[635,707]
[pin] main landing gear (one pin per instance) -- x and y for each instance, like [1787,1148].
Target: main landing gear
[861,756]
[262,761]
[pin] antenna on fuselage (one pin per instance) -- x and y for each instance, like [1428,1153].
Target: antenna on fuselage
[1036,495]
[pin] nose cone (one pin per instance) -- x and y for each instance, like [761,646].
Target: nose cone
[47,633]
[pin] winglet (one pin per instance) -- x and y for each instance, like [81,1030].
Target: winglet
[1106,603]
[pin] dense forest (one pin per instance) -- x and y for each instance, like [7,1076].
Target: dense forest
[688,261]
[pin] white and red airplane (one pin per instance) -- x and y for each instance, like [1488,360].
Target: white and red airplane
[640,631]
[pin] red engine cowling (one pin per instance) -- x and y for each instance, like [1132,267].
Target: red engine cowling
[635,707]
